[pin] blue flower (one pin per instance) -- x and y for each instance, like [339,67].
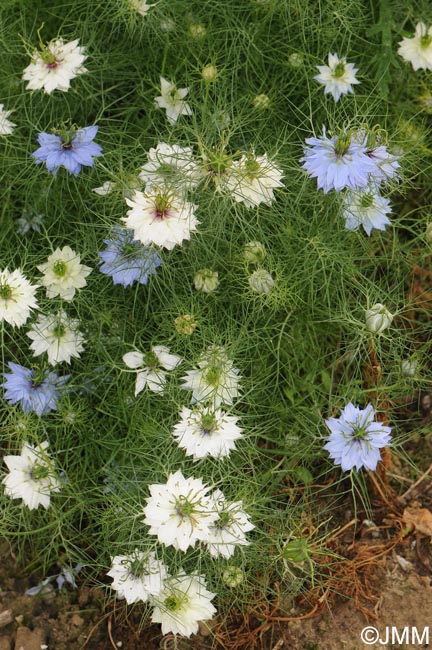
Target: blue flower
[66,151]
[39,396]
[127,261]
[355,438]
[338,162]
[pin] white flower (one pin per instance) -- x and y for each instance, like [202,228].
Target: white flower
[366,208]
[57,335]
[137,576]
[252,179]
[206,280]
[418,49]
[55,66]
[151,367]
[230,529]
[104,189]
[31,476]
[171,99]
[183,602]
[17,297]
[6,126]
[140,6]
[378,318]
[338,77]
[63,273]
[171,166]
[261,281]
[204,431]
[215,380]
[160,217]
[179,512]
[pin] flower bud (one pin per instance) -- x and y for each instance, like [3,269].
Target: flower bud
[233,576]
[261,281]
[197,30]
[295,60]
[409,367]
[254,252]
[185,324]
[378,318]
[206,280]
[261,102]
[209,73]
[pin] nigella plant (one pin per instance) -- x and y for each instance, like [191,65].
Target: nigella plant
[35,391]
[71,149]
[127,261]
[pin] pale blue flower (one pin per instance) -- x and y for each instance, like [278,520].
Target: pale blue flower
[355,438]
[127,261]
[70,150]
[34,394]
[338,162]
[366,208]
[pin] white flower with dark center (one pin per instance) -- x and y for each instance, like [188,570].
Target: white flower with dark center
[179,512]
[418,49]
[55,66]
[58,336]
[172,166]
[183,602]
[137,576]
[338,77]
[252,179]
[230,528]
[366,208]
[151,367]
[6,126]
[204,431]
[31,476]
[172,100]
[161,217]
[215,380]
[17,297]
[63,273]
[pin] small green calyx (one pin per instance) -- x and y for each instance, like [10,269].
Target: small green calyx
[425,41]
[5,291]
[296,551]
[59,268]
[342,144]
[339,70]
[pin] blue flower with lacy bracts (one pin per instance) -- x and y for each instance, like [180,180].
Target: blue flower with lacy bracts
[338,162]
[356,439]
[71,150]
[126,260]
[34,394]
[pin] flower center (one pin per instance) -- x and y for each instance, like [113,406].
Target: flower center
[135,568]
[252,167]
[223,521]
[59,330]
[38,472]
[59,268]
[173,95]
[208,424]
[425,41]
[49,59]
[162,205]
[212,375]
[129,250]
[360,433]
[367,200]
[173,602]
[184,507]
[339,70]
[151,359]
[342,145]
[5,291]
